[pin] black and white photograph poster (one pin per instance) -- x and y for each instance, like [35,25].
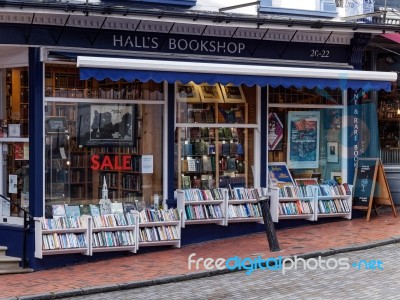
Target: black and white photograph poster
[105,124]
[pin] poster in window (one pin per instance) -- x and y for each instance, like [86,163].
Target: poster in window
[275,132]
[106,124]
[303,139]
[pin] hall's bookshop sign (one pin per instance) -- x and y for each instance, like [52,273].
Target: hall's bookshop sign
[204,45]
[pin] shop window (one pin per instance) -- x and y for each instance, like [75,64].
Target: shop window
[102,149]
[214,142]
[305,132]
[388,113]
[14,144]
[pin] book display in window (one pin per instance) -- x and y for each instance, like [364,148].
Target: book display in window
[78,170]
[211,137]
[160,227]
[201,206]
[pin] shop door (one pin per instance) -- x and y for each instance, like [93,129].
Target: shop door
[14,181]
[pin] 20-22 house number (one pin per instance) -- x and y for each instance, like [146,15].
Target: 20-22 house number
[319,53]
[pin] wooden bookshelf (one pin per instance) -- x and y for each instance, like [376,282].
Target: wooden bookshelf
[62,239]
[162,229]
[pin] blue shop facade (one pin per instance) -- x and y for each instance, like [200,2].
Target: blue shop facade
[148,107]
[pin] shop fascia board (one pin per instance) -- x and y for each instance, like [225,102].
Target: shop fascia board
[233,69]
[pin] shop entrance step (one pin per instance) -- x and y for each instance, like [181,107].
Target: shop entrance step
[10,264]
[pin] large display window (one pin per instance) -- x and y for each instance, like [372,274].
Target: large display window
[305,131]
[98,148]
[214,135]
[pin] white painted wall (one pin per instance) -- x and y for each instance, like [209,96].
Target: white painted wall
[215,5]
[296,4]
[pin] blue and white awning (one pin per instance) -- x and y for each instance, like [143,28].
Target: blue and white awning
[207,72]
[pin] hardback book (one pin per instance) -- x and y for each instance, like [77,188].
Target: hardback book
[72,211]
[239,116]
[224,181]
[204,184]
[231,164]
[185,165]
[186,182]
[207,167]
[198,116]
[230,116]
[227,133]
[196,183]
[234,133]
[221,115]
[188,149]
[209,116]
[239,149]
[58,210]
[201,148]
[128,207]
[191,165]
[116,208]
[204,132]
[233,149]
[94,210]
[211,148]
[195,133]
[226,149]
[221,133]
[211,133]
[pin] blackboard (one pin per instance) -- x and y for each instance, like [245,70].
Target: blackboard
[364,182]
[370,186]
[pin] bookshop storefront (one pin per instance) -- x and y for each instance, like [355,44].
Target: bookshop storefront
[127,130]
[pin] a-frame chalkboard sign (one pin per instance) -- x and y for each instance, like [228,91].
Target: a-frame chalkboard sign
[370,187]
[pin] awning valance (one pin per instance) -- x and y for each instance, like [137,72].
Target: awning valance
[199,72]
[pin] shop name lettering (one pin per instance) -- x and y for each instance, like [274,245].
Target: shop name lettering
[355,130]
[194,45]
[111,163]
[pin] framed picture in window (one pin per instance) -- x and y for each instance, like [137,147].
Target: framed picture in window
[14,130]
[303,139]
[333,152]
[233,93]
[210,93]
[187,92]
[56,124]
[107,124]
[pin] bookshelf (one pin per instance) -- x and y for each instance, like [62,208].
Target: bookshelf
[316,202]
[212,138]
[160,228]
[62,235]
[334,201]
[115,232]
[201,206]
[17,94]
[287,204]
[242,205]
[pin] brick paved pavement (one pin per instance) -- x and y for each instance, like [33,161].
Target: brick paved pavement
[294,284]
[163,266]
